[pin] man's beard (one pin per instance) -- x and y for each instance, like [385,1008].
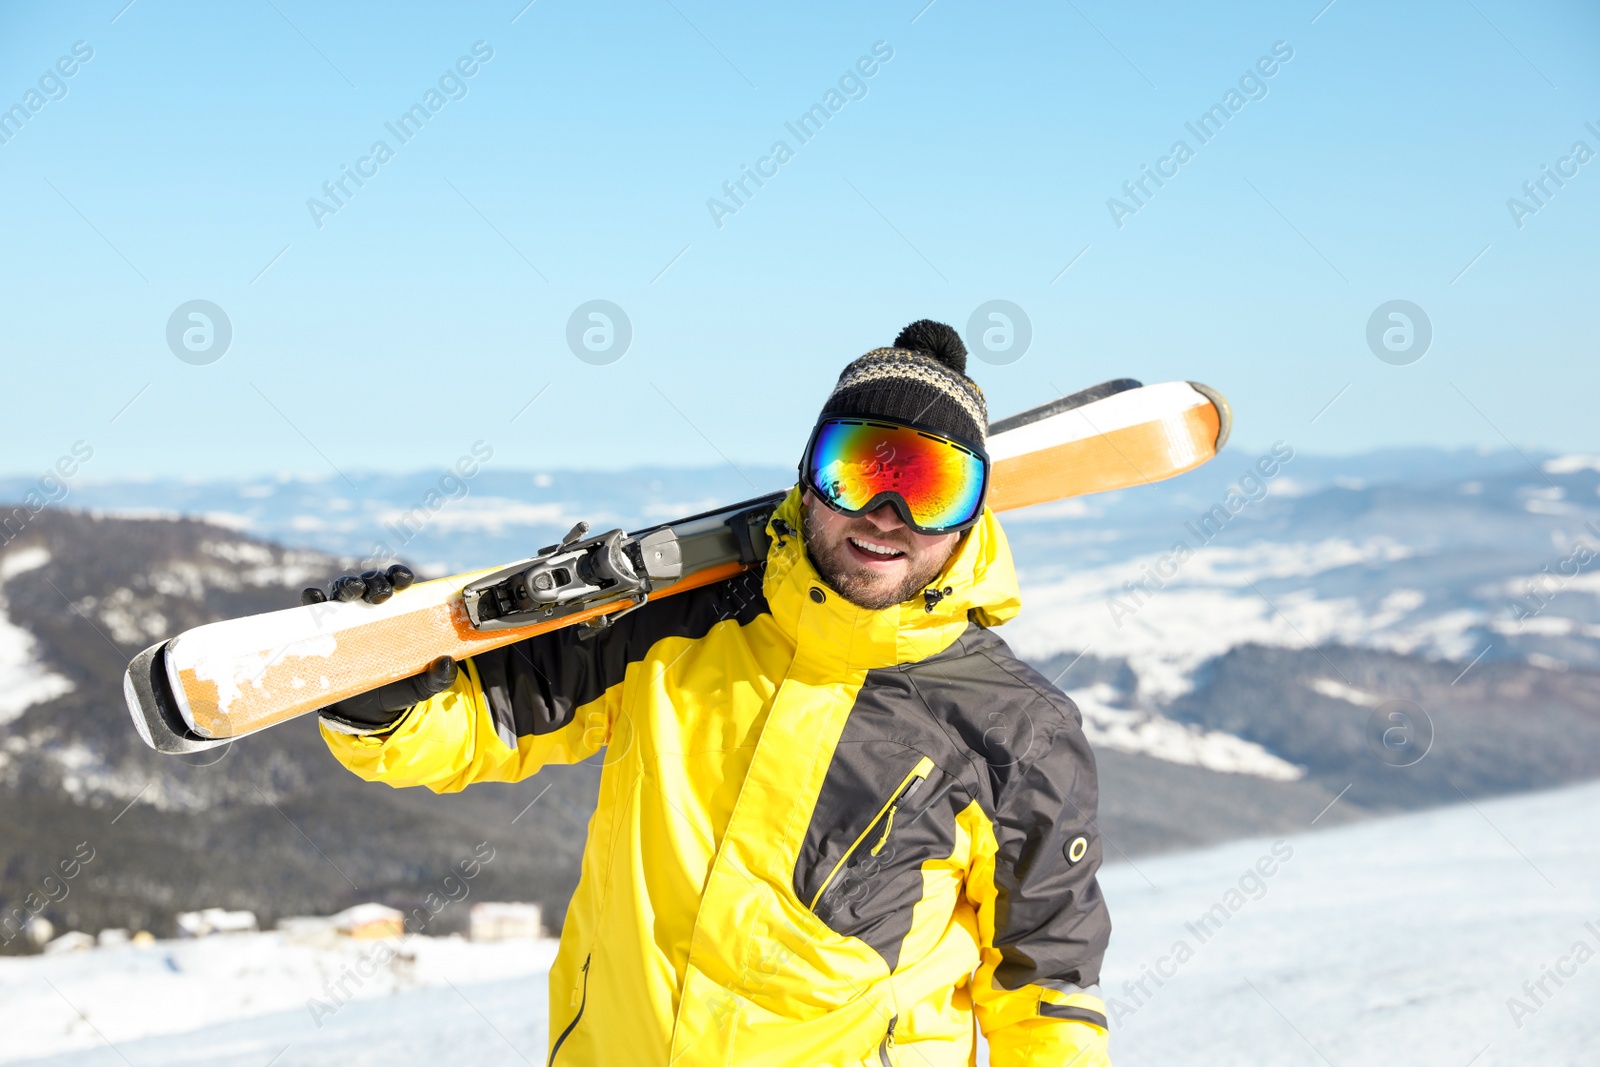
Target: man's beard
[833,564]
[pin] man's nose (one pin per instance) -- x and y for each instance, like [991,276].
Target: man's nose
[884,518]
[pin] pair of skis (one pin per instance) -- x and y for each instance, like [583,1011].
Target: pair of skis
[228,679]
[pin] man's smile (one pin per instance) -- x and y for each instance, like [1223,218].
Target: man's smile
[873,553]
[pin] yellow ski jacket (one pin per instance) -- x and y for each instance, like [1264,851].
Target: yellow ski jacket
[825,835]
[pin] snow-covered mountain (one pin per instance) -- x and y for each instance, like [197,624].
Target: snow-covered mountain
[1492,556]
[1237,639]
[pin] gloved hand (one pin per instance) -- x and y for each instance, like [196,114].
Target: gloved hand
[379,709]
[372,586]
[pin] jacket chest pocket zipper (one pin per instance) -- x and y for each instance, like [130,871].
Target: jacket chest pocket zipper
[886,1044]
[880,826]
[581,1005]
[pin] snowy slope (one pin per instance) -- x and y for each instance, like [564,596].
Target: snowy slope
[24,681]
[1146,733]
[118,996]
[1392,941]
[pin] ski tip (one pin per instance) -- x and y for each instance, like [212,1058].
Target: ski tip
[1224,411]
[155,713]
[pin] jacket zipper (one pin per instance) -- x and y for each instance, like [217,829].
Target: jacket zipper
[886,1044]
[581,1004]
[907,786]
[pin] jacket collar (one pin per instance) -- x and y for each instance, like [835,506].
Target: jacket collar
[832,635]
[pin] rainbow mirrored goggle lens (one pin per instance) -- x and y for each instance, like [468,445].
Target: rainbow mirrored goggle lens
[936,484]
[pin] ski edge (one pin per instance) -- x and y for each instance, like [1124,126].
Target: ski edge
[156,715]
[1224,412]
[1065,403]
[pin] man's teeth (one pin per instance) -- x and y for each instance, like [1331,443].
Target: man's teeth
[877,550]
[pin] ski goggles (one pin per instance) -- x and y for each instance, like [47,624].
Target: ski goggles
[936,485]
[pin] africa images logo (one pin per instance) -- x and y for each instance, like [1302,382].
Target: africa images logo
[199,332]
[1399,332]
[599,332]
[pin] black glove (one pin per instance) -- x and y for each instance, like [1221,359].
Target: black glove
[379,709]
[372,586]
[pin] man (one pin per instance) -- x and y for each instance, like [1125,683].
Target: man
[839,822]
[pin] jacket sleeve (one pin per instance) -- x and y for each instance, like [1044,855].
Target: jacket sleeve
[554,698]
[1042,922]
[511,711]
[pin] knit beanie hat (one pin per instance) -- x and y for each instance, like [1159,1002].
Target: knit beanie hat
[921,379]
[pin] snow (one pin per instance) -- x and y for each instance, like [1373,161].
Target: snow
[481,514]
[1150,734]
[71,941]
[1392,941]
[22,560]
[130,621]
[1214,602]
[1572,464]
[1541,500]
[1286,486]
[181,578]
[1347,693]
[228,520]
[140,514]
[24,681]
[238,552]
[133,617]
[130,994]
[1400,940]
[1543,625]
[216,921]
[672,510]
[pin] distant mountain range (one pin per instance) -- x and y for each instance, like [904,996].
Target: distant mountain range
[1239,643]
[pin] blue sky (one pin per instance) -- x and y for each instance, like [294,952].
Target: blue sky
[975,164]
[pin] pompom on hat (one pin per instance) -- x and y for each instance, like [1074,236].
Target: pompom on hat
[921,379]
